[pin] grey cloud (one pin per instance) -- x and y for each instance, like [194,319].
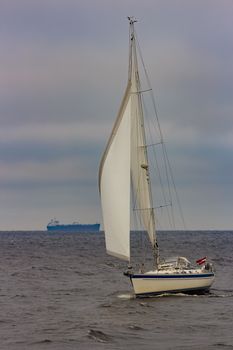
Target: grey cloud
[63,73]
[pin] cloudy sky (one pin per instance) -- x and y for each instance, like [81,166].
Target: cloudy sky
[63,70]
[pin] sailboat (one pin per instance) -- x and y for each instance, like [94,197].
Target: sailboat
[125,186]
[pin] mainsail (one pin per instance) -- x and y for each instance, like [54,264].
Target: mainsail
[141,190]
[124,169]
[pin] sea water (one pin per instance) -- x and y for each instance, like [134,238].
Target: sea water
[61,291]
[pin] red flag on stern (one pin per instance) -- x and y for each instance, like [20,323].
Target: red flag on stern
[201,261]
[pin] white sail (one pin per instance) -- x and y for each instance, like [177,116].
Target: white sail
[114,183]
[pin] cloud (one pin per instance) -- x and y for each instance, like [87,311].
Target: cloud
[78,131]
[63,73]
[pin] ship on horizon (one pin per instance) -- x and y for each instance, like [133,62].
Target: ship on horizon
[54,225]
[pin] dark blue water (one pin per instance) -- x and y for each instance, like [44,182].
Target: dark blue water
[61,291]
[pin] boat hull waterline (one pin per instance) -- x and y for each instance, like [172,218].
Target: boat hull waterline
[155,284]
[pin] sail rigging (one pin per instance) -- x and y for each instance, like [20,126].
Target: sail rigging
[140,176]
[125,183]
[124,169]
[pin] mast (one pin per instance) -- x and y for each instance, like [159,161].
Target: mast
[143,173]
[124,169]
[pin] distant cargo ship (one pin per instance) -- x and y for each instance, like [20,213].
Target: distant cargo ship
[54,225]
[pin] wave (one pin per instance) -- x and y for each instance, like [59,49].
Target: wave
[135,327]
[221,293]
[99,336]
[44,341]
[126,296]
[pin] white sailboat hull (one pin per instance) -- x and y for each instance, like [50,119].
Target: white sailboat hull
[157,283]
